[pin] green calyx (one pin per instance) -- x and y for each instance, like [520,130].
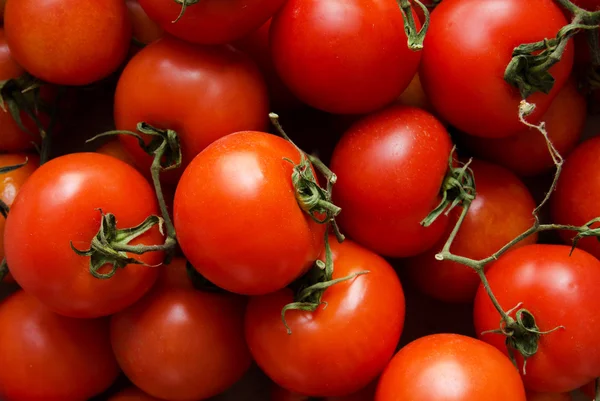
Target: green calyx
[593,230]
[415,36]
[184,5]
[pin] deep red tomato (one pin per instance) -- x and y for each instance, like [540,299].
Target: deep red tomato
[559,290]
[449,367]
[245,174]
[500,212]
[203,93]
[575,199]
[58,205]
[115,148]
[47,357]
[591,5]
[325,353]
[468,46]
[211,21]
[526,153]
[343,56]
[549,396]
[86,41]
[390,167]
[132,394]
[144,29]
[281,394]
[589,390]
[182,344]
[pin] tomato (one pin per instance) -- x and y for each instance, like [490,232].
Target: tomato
[87,41]
[526,153]
[559,290]
[449,367]
[325,353]
[500,212]
[144,29]
[549,397]
[132,394]
[390,167]
[247,176]
[211,21]
[343,56]
[115,148]
[414,96]
[47,357]
[174,275]
[203,93]
[182,344]
[468,46]
[589,390]
[574,201]
[281,394]
[592,5]
[57,206]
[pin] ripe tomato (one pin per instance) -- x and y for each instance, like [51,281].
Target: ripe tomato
[246,174]
[390,167]
[49,357]
[449,367]
[414,96]
[468,46]
[589,390]
[281,394]
[144,29]
[526,153]
[500,212]
[549,396]
[132,394]
[181,344]
[559,290]
[211,21]
[575,199]
[86,41]
[58,205]
[343,56]
[203,93]
[114,148]
[325,353]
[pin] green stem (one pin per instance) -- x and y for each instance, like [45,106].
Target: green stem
[415,37]
[594,46]
[171,239]
[184,5]
[490,293]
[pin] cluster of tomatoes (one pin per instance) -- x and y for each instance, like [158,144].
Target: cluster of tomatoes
[205,234]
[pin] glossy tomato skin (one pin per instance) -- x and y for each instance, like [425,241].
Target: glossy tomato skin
[132,394]
[574,201]
[246,174]
[390,167]
[203,93]
[87,41]
[466,51]
[558,290]
[341,56]
[211,21]
[526,153]
[324,355]
[180,344]
[501,211]
[48,357]
[58,205]
[449,367]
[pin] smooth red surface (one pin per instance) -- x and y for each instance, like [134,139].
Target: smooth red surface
[341,347]
[559,290]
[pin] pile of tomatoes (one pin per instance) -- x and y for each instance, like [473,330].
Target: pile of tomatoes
[254,200]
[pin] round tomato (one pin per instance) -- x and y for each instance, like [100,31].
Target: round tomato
[449,367]
[182,344]
[575,199]
[203,93]
[559,290]
[211,21]
[343,56]
[549,396]
[86,41]
[526,153]
[468,46]
[390,167]
[500,212]
[49,357]
[247,175]
[60,205]
[132,394]
[281,394]
[341,347]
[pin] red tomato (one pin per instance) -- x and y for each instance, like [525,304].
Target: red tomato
[203,93]
[591,5]
[115,148]
[281,394]
[575,199]
[144,29]
[325,353]
[174,275]
[414,96]
[181,344]
[211,21]
[390,167]
[58,205]
[526,153]
[468,46]
[548,397]
[589,390]
[47,357]
[343,56]
[132,394]
[559,290]
[449,367]
[500,212]
[86,41]
[246,175]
